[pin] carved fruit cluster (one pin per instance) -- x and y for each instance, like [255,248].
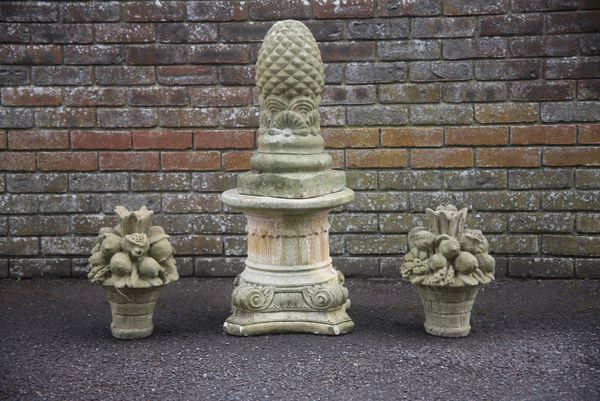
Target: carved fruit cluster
[133,254]
[447,254]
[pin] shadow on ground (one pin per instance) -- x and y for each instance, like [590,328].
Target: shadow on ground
[530,340]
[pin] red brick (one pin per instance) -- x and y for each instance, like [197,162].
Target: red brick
[338,159]
[237,160]
[572,156]
[412,137]
[156,54]
[244,31]
[62,33]
[588,89]
[224,139]
[543,135]
[347,9]
[516,24]
[130,33]
[31,96]
[506,113]
[135,161]
[218,54]
[476,135]
[26,54]
[158,97]
[351,137]
[180,117]
[187,75]
[162,139]
[65,118]
[186,161]
[589,134]
[38,140]
[508,157]
[17,161]
[89,97]
[276,10]
[236,75]
[115,140]
[187,33]
[352,51]
[32,12]
[15,33]
[220,96]
[66,161]
[90,12]
[442,158]
[544,90]
[353,94]
[573,22]
[3,140]
[217,10]
[144,11]
[124,75]
[376,158]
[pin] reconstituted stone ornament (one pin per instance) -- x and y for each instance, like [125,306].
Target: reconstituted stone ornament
[133,261]
[289,283]
[447,263]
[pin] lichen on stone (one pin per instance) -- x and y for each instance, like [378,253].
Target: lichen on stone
[447,254]
[134,254]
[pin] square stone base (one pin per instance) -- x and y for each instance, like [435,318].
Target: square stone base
[333,323]
[291,185]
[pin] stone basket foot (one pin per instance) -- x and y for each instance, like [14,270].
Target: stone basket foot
[448,309]
[132,311]
[333,323]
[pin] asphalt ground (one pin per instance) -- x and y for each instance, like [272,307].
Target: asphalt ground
[531,340]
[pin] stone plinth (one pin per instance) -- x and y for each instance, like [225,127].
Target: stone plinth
[289,283]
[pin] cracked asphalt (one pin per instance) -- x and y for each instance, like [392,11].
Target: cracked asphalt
[531,340]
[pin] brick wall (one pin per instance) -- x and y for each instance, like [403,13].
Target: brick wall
[487,104]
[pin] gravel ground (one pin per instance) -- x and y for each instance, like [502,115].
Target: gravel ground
[530,340]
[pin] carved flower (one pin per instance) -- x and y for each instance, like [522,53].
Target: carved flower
[447,220]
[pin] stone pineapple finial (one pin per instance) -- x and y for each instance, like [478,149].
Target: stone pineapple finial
[290,161]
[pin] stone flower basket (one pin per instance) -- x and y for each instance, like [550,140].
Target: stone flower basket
[133,261]
[448,264]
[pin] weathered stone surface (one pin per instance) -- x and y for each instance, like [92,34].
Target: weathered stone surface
[29,268]
[540,179]
[404,180]
[357,266]
[588,222]
[571,245]
[568,200]
[288,283]
[377,201]
[375,244]
[587,268]
[540,222]
[448,263]
[541,267]
[218,267]
[290,160]
[353,223]
[513,244]
[475,179]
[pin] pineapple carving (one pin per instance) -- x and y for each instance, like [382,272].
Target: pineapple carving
[290,79]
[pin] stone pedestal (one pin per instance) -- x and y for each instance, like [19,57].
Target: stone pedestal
[289,283]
